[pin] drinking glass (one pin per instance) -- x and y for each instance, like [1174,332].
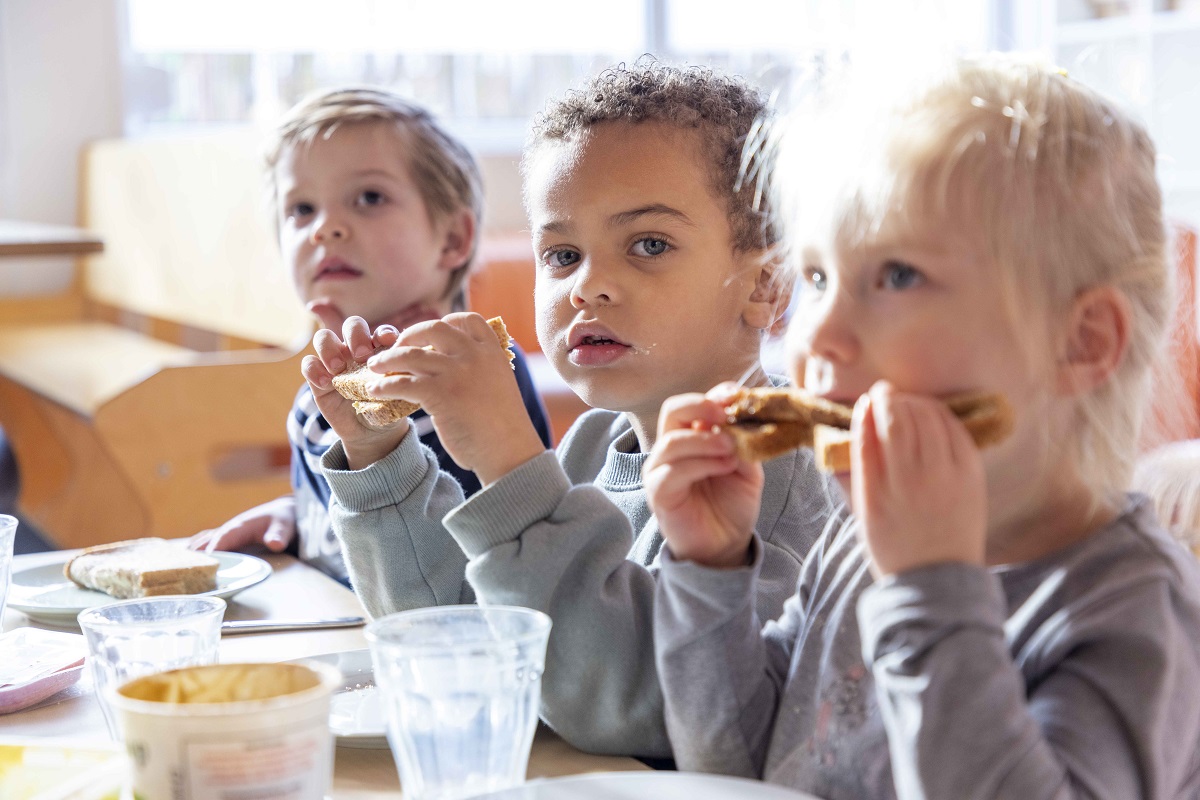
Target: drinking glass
[8,533]
[132,638]
[461,685]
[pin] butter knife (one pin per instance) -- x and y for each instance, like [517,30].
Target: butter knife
[264,625]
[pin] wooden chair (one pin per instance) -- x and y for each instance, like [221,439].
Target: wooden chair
[150,397]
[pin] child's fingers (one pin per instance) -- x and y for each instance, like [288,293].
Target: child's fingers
[317,374]
[397,387]
[385,336]
[724,392]
[866,461]
[685,443]
[331,351]
[689,411]
[672,484]
[452,335]
[357,336]
[406,359]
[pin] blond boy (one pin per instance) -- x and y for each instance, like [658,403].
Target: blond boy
[378,211]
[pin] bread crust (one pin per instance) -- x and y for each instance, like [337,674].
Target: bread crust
[767,423]
[353,383]
[143,568]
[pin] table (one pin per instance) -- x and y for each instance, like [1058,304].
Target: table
[18,238]
[294,591]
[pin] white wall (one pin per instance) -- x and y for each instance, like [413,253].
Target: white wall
[60,87]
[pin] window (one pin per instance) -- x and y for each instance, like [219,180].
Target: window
[489,66]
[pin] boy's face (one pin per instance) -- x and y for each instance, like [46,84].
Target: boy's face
[355,231]
[639,293]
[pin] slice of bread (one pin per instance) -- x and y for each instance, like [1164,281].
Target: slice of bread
[808,421]
[769,422]
[143,568]
[353,384]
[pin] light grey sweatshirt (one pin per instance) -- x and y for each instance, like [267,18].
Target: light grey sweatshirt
[571,536]
[1077,675]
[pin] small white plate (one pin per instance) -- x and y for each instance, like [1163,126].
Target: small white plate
[357,714]
[659,785]
[45,595]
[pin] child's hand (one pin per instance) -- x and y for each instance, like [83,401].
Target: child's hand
[918,483]
[272,525]
[706,499]
[364,445]
[457,371]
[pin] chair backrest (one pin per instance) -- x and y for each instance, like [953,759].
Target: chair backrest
[188,235]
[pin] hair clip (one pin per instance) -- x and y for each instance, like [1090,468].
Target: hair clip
[1062,71]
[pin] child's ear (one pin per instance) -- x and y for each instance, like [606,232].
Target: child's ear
[771,293]
[1096,338]
[458,239]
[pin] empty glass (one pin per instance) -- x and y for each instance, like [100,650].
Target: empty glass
[132,638]
[8,532]
[462,685]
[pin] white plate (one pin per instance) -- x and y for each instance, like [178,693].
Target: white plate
[637,785]
[357,714]
[44,594]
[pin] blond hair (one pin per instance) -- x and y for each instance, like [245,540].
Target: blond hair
[724,111]
[1170,477]
[1055,183]
[443,169]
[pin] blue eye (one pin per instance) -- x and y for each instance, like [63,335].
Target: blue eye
[300,210]
[898,275]
[559,259]
[815,278]
[650,247]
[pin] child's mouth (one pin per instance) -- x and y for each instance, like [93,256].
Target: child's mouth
[335,269]
[597,351]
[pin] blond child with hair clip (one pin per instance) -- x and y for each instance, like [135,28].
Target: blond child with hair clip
[653,277]
[378,211]
[1005,623]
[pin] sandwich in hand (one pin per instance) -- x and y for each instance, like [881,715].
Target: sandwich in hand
[353,382]
[143,568]
[769,422]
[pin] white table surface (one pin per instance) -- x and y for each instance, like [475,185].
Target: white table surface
[294,591]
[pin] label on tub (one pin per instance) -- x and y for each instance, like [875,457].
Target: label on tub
[294,766]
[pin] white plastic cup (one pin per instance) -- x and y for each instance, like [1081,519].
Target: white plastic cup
[462,685]
[132,638]
[256,731]
[8,534]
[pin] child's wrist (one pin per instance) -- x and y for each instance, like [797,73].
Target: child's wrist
[730,558]
[361,455]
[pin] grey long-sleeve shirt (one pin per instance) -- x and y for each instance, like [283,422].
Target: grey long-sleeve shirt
[571,536]
[1077,675]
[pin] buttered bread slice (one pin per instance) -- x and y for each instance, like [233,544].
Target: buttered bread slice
[143,568]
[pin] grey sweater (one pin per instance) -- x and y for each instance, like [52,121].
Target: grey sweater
[1077,675]
[572,536]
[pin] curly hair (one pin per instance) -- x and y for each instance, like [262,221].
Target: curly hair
[444,170]
[726,112]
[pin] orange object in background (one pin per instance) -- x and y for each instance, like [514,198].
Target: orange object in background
[1175,409]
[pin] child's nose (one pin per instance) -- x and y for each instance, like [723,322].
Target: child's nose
[329,228]
[593,286]
[826,330]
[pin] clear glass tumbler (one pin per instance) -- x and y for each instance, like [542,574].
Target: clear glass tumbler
[8,533]
[462,685]
[133,638]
